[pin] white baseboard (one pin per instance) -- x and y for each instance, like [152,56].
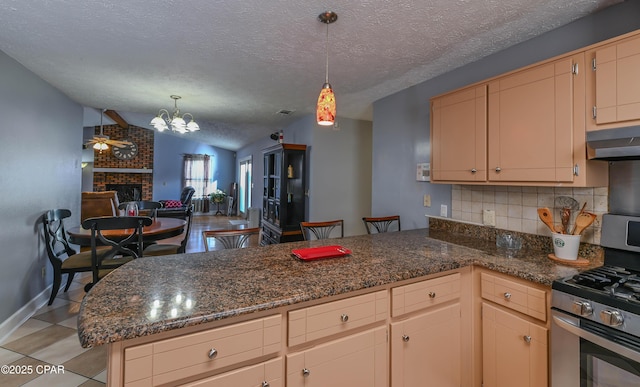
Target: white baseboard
[23,314]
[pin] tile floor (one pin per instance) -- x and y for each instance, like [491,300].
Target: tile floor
[50,336]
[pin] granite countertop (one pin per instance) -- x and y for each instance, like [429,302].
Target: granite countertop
[157,294]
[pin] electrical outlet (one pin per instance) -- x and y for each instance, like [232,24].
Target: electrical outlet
[443,210]
[489,217]
[427,200]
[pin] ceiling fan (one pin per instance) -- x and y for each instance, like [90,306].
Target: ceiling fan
[101,141]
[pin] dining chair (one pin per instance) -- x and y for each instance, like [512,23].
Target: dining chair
[122,246]
[321,230]
[169,246]
[63,258]
[145,207]
[382,224]
[230,239]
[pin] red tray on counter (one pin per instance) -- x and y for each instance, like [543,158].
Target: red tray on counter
[322,252]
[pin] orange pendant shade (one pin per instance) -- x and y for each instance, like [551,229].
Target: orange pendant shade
[326,108]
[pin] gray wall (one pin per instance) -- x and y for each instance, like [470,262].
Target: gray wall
[40,154]
[167,164]
[338,166]
[401,121]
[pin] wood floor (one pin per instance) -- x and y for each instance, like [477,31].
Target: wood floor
[202,222]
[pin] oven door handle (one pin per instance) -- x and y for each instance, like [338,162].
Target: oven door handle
[598,340]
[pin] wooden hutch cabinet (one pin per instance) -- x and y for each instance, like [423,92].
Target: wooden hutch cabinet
[284,199]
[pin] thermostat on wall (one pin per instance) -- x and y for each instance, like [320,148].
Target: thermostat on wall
[423,172]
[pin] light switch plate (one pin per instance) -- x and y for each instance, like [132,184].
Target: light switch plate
[427,200]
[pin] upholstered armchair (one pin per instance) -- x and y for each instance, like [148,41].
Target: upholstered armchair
[96,204]
[177,208]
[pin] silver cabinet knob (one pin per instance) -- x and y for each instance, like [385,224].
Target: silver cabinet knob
[498,169]
[405,338]
[305,372]
[213,353]
[611,317]
[473,170]
[582,308]
[432,295]
[344,318]
[507,295]
[527,338]
[265,384]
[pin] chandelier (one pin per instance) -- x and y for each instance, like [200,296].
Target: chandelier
[326,107]
[162,121]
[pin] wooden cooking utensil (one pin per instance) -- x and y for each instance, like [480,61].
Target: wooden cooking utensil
[583,221]
[573,231]
[545,215]
[565,215]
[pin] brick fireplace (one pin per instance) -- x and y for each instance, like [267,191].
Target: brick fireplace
[135,173]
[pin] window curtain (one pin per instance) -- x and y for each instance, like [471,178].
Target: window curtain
[197,173]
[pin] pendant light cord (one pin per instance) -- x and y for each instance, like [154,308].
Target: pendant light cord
[326,78]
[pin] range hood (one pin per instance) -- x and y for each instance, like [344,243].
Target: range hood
[614,144]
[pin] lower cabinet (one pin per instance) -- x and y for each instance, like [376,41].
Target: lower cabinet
[418,334]
[358,360]
[267,374]
[426,349]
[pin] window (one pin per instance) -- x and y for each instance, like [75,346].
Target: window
[197,174]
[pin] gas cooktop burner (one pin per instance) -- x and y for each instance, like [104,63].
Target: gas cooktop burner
[609,281]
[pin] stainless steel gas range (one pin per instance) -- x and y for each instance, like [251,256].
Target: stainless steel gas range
[595,328]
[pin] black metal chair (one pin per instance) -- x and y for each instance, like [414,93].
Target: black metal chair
[230,239]
[121,247]
[63,258]
[382,224]
[176,245]
[321,230]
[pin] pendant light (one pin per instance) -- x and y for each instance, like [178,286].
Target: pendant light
[326,107]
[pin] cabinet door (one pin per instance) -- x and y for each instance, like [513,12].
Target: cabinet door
[514,351]
[617,83]
[268,374]
[426,349]
[459,135]
[358,360]
[531,123]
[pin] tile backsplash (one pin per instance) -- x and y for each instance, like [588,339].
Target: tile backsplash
[516,207]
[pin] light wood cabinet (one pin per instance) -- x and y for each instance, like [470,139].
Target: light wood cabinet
[459,135]
[170,360]
[427,333]
[613,83]
[531,122]
[534,129]
[514,351]
[335,317]
[358,360]
[514,331]
[267,374]
[426,349]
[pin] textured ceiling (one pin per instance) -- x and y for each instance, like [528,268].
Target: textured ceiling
[237,63]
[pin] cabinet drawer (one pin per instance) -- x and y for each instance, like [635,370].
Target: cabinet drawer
[169,360]
[270,372]
[513,295]
[409,298]
[334,317]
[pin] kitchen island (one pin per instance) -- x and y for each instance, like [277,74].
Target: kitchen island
[171,295]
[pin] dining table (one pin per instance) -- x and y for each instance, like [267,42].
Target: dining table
[160,228]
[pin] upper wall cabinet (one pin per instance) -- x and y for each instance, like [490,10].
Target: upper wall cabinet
[531,122]
[459,135]
[614,84]
[531,131]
